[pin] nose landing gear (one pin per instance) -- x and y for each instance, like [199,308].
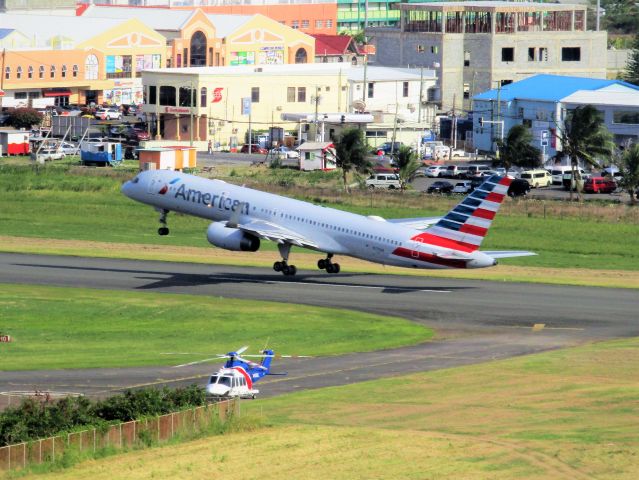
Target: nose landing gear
[163,230]
[326,264]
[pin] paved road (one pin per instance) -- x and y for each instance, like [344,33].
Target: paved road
[476,320]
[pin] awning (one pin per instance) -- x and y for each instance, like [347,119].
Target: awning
[56,92]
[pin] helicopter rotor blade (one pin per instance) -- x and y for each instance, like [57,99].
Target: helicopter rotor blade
[196,362]
[241,350]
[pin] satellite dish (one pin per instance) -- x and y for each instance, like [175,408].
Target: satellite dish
[358,105]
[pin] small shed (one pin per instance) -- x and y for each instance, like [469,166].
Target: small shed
[317,156]
[167,158]
[14,142]
[100,153]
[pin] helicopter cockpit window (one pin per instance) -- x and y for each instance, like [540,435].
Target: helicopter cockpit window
[221,380]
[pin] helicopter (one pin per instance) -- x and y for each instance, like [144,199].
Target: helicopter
[237,376]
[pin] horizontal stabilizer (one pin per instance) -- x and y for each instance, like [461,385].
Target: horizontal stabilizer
[508,253]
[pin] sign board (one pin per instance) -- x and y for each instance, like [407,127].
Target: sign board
[246,106]
[370,49]
[177,110]
[1,93]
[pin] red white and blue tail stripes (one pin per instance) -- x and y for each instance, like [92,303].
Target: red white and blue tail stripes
[465,226]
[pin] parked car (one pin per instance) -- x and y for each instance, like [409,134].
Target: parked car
[463,187]
[477,181]
[255,148]
[283,150]
[440,186]
[476,170]
[383,180]
[519,187]
[537,178]
[600,185]
[108,114]
[456,171]
[49,153]
[69,148]
[436,171]
[557,173]
[420,172]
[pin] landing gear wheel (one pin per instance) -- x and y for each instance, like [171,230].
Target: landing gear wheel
[289,270]
[332,268]
[321,264]
[278,266]
[163,231]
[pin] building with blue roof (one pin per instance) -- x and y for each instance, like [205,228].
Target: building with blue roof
[541,103]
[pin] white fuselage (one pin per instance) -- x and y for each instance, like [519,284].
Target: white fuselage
[332,231]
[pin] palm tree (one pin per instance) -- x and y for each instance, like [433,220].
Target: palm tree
[628,165]
[408,162]
[516,149]
[351,153]
[584,137]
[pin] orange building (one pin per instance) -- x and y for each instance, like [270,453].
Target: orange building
[309,18]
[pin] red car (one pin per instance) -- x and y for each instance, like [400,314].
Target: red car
[599,185]
[254,149]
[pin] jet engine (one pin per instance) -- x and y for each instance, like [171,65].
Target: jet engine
[231,238]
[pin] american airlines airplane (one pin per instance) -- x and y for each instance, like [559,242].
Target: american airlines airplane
[241,217]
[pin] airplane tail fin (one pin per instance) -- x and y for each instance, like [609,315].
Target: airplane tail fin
[464,227]
[266,361]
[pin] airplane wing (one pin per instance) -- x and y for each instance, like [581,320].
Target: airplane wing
[415,223]
[508,253]
[276,233]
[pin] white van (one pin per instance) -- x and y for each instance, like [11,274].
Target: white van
[383,180]
[537,178]
[557,173]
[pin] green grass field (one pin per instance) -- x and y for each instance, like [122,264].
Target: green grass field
[81,328]
[87,205]
[563,415]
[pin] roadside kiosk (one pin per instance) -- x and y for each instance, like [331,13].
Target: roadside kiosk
[14,142]
[168,158]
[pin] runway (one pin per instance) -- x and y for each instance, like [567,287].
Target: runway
[476,321]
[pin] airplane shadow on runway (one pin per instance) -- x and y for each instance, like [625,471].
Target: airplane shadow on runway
[194,279]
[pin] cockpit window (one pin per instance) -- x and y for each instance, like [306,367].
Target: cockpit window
[220,380]
[135,180]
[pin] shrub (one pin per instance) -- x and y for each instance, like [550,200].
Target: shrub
[24,118]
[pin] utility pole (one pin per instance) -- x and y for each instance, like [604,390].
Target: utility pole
[421,92]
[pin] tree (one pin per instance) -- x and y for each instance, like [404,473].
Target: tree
[516,149]
[351,153]
[628,165]
[631,74]
[407,161]
[584,137]
[24,118]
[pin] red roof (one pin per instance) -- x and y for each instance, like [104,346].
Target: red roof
[333,44]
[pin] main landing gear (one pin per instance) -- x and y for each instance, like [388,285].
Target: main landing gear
[163,230]
[283,266]
[326,264]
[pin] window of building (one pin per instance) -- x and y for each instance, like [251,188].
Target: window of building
[198,49]
[329,23]
[255,94]
[30,71]
[63,71]
[7,73]
[301,56]
[187,97]
[531,54]
[571,54]
[74,70]
[203,97]
[19,73]
[543,54]
[185,56]
[508,54]
[41,71]
[301,94]
[627,117]
[52,71]
[178,60]
[305,23]
[150,99]
[20,95]
[167,95]
[466,59]
[405,89]
[371,89]
[91,67]
[290,94]
[295,24]
[319,23]
[434,49]
[503,83]
[420,48]
[466,90]
[34,95]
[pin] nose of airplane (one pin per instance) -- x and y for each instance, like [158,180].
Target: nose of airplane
[126,188]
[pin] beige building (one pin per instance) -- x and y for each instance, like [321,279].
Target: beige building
[195,105]
[477,44]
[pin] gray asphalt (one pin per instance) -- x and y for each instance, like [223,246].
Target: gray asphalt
[476,321]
